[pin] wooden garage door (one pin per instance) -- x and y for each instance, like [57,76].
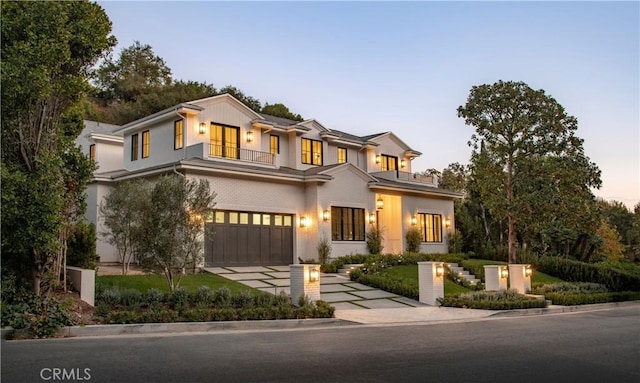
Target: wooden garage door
[248,239]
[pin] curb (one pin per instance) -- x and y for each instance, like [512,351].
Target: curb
[564,309]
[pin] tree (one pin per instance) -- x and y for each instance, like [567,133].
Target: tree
[454,178]
[122,212]
[520,132]
[252,103]
[137,71]
[280,110]
[171,239]
[48,50]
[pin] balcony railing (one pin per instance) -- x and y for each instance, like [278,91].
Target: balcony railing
[239,154]
[417,177]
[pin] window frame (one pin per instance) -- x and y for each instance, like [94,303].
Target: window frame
[274,138]
[92,152]
[225,151]
[178,136]
[347,224]
[315,158]
[384,162]
[433,222]
[346,156]
[146,144]
[135,144]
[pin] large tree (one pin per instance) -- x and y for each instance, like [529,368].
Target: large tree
[521,133]
[48,50]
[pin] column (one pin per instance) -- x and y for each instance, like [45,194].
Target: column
[430,282]
[305,280]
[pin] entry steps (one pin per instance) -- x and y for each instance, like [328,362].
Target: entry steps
[346,268]
[464,274]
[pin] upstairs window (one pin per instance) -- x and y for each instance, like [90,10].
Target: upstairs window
[311,152]
[224,141]
[145,144]
[430,227]
[274,144]
[134,147]
[178,134]
[388,163]
[342,155]
[347,224]
[92,152]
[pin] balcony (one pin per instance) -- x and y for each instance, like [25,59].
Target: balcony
[239,154]
[414,178]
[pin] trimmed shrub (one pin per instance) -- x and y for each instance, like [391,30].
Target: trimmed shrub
[414,239]
[203,296]
[81,246]
[130,298]
[244,298]
[324,249]
[575,271]
[179,299]
[570,299]
[222,297]
[374,240]
[109,295]
[492,300]
[155,297]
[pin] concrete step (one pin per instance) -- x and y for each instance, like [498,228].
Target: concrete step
[346,268]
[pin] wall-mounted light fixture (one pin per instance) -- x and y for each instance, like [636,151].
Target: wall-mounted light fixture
[326,215]
[439,270]
[372,218]
[249,136]
[379,203]
[202,128]
[403,163]
[447,223]
[304,222]
[528,271]
[413,220]
[504,272]
[314,275]
[377,159]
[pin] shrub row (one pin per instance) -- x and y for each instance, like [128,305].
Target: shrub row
[583,298]
[376,262]
[566,287]
[492,300]
[388,283]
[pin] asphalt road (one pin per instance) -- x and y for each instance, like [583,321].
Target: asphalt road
[596,346]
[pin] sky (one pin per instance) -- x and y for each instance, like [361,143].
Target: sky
[405,67]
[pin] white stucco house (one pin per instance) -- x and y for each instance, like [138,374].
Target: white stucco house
[281,185]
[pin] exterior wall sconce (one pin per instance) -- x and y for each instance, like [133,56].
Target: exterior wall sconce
[413,220]
[372,218]
[377,159]
[403,163]
[326,215]
[439,270]
[304,222]
[202,128]
[249,136]
[528,271]
[314,275]
[447,223]
[504,272]
[379,203]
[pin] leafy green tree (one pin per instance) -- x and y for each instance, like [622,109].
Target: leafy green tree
[454,177]
[48,50]
[521,132]
[280,110]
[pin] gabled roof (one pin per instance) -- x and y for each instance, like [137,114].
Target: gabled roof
[279,120]
[163,114]
[99,127]
[331,170]
[230,98]
[408,151]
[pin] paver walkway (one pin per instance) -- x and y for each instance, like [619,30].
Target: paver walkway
[338,290]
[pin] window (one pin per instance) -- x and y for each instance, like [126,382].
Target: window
[342,155]
[430,227]
[388,163]
[311,152]
[347,224]
[178,134]
[224,141]
[134,147]
[145,144]
[92,152]
[274,142]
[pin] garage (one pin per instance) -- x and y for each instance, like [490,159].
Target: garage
[234,238]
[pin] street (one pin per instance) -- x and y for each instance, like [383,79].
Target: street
[595,346]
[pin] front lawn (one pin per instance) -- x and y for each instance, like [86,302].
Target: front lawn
[476,267]
[410,273]
[143,283]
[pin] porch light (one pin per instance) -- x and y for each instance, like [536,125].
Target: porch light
[304,222]
[377,159]
[504,272]
[314,275]
[372,218]
[439,270]
[447,223]
[528,271]
[379,203]
[403,163]
[249,136]
[326,215]
[413,220]
[202,128]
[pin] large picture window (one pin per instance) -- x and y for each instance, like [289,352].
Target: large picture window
[430,227]
[225,141]
[347,224]
[311,152]
[178,134]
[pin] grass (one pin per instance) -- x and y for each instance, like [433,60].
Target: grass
[410,273]
[191,282]
[536,277]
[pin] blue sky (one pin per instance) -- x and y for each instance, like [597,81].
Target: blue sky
[369,67]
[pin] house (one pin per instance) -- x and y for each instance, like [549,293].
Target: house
[281,185]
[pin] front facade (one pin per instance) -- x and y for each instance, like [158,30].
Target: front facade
[281,186]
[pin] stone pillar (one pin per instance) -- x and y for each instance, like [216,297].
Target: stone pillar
[430,282]
[303,283]
[495,277]
[520,278]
